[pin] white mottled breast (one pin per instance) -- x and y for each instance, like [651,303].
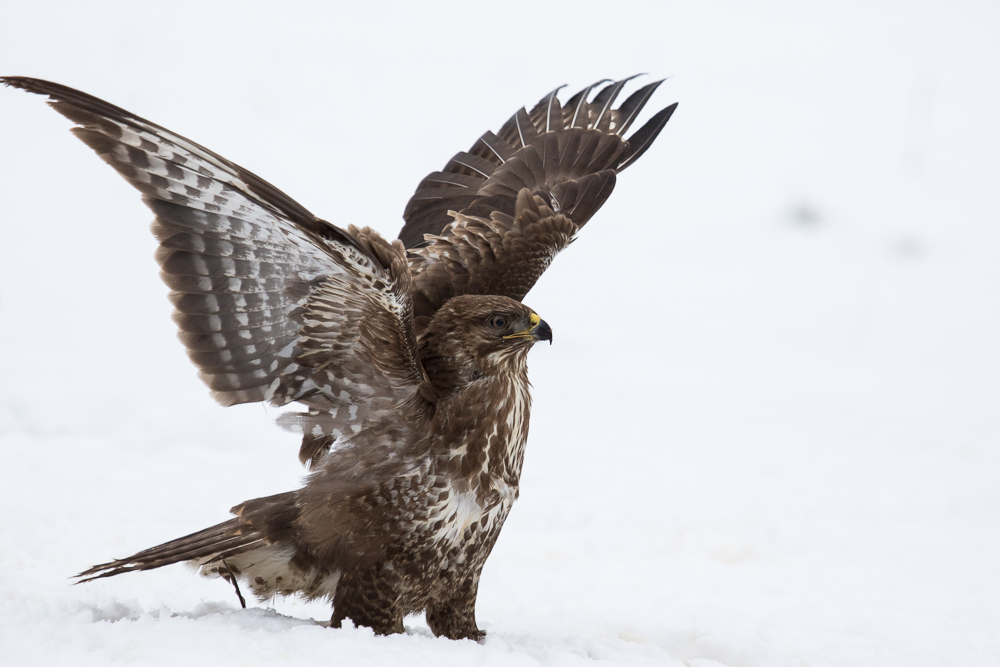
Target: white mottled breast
[464,509]
[499,441]
[518,413]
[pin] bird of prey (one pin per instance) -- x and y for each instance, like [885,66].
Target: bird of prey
[409,356]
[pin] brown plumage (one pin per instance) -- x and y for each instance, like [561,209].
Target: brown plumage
[410,357]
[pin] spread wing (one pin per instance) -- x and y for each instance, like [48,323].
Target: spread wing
[493,219]
[273,304]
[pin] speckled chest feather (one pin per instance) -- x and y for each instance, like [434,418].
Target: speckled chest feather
[453,505]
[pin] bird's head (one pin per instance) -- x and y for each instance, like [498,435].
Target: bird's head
[486,334]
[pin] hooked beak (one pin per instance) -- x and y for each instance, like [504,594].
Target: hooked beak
[538,330]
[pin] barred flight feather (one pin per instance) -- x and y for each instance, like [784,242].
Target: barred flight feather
[568,155]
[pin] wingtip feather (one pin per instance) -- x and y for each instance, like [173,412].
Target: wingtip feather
[643,138]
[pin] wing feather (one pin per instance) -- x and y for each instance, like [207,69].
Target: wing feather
[502,254]
[567,156]
[272,303]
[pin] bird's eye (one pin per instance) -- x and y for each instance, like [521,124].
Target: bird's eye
[498,321]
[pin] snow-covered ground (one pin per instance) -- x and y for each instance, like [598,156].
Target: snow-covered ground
[768,430]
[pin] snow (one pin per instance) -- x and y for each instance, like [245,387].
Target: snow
[767,432]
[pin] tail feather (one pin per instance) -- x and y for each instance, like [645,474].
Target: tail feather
[258,523]
[221,541]
[257,548]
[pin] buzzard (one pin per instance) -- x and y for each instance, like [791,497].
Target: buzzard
[409,357]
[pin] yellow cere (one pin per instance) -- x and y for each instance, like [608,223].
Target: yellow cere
[534,319]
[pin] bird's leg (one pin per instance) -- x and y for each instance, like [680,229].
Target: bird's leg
[454,616]
[369,598]
[236,585]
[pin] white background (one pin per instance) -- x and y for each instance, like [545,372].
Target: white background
[766,434]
